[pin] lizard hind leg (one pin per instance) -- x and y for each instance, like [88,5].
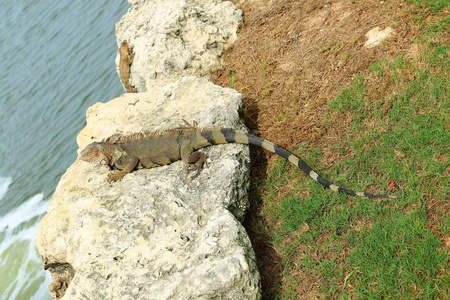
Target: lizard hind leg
[195,163]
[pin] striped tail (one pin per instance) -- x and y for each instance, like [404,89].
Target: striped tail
[240,137]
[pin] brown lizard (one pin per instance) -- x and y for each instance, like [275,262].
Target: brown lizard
[126,59]
[149,150]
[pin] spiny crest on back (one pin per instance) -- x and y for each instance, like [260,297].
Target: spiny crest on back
[118,138]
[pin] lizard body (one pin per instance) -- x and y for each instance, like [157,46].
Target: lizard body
[126,59]
[148,150]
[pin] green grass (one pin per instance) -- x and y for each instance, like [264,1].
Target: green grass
[398,257]
[377,249]
[435,5]
[233,79]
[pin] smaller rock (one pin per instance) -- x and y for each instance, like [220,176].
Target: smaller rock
[375,36]
[174,39]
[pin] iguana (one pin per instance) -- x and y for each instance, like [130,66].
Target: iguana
[149,150]
[126,59]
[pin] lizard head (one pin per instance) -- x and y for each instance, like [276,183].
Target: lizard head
[95,153]
[124,49]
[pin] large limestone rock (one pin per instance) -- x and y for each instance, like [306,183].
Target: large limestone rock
[172,39]
[155,234]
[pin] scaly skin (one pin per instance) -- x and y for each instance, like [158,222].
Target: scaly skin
[149,150]
[126,59]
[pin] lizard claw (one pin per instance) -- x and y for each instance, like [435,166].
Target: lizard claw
[194,167]
[115,176]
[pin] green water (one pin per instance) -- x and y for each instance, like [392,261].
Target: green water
[57,59]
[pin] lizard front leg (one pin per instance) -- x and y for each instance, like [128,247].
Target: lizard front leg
[126,165]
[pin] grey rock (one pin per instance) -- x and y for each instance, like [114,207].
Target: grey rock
[156,234]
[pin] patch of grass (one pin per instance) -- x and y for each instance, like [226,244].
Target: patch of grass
[379,67]
[352,98]
[265,67]
[367,248]
[441,26]
[435,5]
[233,79]
[397,258]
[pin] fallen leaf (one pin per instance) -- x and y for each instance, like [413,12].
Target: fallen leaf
[392,184]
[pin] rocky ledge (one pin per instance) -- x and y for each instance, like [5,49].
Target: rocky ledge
[156,234]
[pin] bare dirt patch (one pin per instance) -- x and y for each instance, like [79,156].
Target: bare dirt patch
[292,58]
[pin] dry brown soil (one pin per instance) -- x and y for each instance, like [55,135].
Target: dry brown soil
[292,58]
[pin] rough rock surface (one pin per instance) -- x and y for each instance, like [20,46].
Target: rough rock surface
[375,36]
[156,234]
[172,39]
